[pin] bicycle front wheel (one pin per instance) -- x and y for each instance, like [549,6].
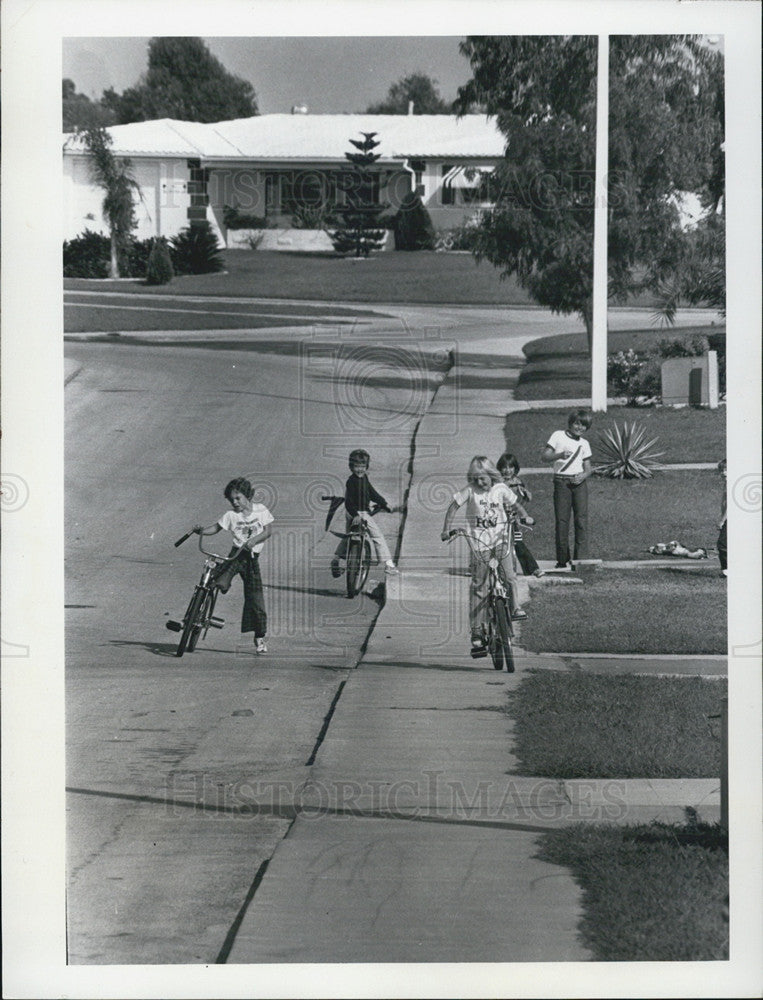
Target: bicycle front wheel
[191,622]
[366,558]
[505,633]
[202,622]
[352,572]
[494,645]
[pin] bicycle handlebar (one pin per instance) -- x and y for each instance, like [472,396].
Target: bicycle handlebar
[212,555]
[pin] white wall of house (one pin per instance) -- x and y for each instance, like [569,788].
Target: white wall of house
[161,208]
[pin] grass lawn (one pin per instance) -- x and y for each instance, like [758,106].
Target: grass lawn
[627,516]
[559,367]
[650,893]
[419,276]
[585,725]
[631,611]
[685,435]
[123,312]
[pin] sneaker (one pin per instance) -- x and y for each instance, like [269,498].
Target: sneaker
[519,615]
[539,573]
[391,569]
[336,569]
[478,645]
[260,646]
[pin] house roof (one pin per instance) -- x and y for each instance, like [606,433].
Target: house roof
[307,137]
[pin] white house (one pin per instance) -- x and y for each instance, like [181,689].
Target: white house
[273,166]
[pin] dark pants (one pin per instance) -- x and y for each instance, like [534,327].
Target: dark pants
[247,566]
[571,498]
[526,558]
[722,553]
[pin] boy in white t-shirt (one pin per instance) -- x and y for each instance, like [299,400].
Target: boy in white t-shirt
[489,502]
[571,455]
[249,524]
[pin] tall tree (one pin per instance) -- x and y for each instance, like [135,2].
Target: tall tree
[665,137]
[419,88]
[79,112]
[114,176]
[186,82]
[361,228]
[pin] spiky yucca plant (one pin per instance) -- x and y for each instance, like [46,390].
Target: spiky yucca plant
[627,454]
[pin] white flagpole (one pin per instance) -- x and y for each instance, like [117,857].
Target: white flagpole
[599,321]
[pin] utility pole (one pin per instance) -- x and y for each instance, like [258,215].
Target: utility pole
[599,321]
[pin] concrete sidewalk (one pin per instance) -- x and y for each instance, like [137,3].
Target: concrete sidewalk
[413,840]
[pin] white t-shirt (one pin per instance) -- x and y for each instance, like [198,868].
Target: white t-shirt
[485,512]
[243,526]
[575,452]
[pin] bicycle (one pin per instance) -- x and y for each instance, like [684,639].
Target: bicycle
[359,555]
[499,631]
[199,616]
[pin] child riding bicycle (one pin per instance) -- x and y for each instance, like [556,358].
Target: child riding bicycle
[249,524]
[359,494]
[489,504]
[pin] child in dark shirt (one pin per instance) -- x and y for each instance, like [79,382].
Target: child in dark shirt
[508,466]
[359,494]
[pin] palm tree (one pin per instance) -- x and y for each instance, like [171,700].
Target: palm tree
[113,175]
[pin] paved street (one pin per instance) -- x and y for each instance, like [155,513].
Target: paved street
[225,807]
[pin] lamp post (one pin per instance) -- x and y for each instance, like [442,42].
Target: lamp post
[599,320]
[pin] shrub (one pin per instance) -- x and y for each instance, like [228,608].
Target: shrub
[312,217]
[462,237]
[195,250]
[234,219]
[412,225]
[623,369]
[693,347]
[137,258]
[87,256]
[159,267]
[627,454]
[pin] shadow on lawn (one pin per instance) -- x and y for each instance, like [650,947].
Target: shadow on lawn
[710,836]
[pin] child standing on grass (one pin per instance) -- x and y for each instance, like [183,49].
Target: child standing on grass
[489,503]
[508,466]
[722,545]
[359,494]
[249,524]
[571,455]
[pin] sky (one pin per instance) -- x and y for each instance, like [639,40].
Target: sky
[328,74]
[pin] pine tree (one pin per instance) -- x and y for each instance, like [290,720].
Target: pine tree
[361,228]
[413,225]
[159,270]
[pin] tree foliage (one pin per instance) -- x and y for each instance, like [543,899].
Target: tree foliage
[113,175]
[360,226]
[419,88]
[195,250]
[159,270]
[78,112]
[186,82]
[665,137]
[412,225]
